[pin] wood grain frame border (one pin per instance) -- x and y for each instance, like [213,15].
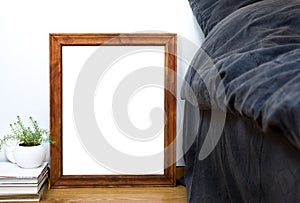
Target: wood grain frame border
[57,41]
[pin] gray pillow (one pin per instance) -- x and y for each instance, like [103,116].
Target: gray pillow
[209,12]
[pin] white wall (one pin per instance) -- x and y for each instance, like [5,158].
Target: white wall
[24,42]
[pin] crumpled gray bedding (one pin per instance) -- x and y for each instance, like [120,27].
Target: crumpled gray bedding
[247,165]
[248,65]
[253,47]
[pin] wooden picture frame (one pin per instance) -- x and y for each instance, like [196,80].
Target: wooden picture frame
[57,42]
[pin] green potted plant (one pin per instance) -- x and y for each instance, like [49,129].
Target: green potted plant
[29,151]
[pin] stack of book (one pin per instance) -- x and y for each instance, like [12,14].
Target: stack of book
[22,185]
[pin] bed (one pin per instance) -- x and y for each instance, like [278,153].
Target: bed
[244,80]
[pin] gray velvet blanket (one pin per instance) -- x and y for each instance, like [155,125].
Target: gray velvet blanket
[249,62]
[249,65]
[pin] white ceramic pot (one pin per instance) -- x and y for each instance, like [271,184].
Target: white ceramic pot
[29,157]
[10,147]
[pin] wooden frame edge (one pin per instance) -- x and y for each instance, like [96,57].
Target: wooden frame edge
[57,40]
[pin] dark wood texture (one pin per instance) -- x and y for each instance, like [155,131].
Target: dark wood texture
[116,195]
[58,180]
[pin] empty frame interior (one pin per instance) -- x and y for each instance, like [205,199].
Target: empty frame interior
[113,109]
